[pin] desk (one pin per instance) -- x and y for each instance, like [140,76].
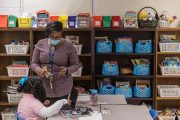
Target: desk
[119,112]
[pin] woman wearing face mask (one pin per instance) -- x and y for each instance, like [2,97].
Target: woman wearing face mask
[54,59]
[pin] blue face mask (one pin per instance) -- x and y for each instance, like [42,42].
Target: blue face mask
[54,42]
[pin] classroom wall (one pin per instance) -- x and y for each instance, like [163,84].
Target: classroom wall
[102,7]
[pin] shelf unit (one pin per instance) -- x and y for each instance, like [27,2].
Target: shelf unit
[124,58]
[162,103]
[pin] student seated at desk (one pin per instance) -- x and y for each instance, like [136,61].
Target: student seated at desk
[31,105]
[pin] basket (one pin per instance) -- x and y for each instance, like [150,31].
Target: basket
[104,47]
[8,116]
[143,46]
[168,90]
[78,72]
[72,21]
[64,20]
[169,47]
[4,21]
[171,71]
[116,21]
[142,92]
[17,49]
[109,89]
[124,45]
[166,117]
[163,24]
[17,71]
[12,21]
[24,22]
[54,18]
[141,69]
[148,23]
[97,21]
[83,20]
[130,19]
[78,48]
[126,91]
[14,98]
[110,69]
[107,21]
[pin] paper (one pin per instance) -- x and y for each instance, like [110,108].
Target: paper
[92,117]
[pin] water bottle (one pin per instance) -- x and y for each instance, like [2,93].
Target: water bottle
[93,97]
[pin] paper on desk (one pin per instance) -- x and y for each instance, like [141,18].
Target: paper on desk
[92,117]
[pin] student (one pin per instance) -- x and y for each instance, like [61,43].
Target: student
[31,105]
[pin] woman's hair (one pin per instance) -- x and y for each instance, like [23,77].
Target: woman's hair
[35,87]
[54,26]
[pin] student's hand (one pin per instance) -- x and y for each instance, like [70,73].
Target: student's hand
[47,102]
[40,72]
[63,71]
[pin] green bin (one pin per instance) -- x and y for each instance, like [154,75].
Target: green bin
[12,21]
[107,21]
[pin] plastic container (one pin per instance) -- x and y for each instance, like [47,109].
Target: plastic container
[143,46]
[110,69]
[78,48]
[17,71]
[72,21]
[163,24]
[97,21]
[103,46]
[169,90]
[64,19]
[166,117]
[8,115]
[83,20]
[130,19]
[142,92]
[170,71]
[12,21]
[169,47]
[107,90]
[77,73]
[17,49]
[14,98]
[42,18]
[3,21]
[107,21]
[116,21]
[141,70]
[124,45]
[54,18]
[93,97]
[24,22]
[126,91]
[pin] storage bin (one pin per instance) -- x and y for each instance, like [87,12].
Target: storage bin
[109,89]
[42,18]
[143,46]
[126,91]
[24,22]
[142,92]
[3,21]
[171,71]
[54,18]
[103,46]
[83,20]
[72,21]
[166,117]
[17,71]
[168,90]
[116,21]
[163,24]
[12,21]
[17,49]
[78,48]
[124,45]
[169,47]
[14,98]
[8,115]
[97,21]
[78,73]
[107,21]
[141,69]
[110,69]
[130,19]
[64,20]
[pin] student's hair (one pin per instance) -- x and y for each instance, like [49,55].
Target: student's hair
[35,87]
[54,26]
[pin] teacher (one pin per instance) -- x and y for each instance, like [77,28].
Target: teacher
[54,60]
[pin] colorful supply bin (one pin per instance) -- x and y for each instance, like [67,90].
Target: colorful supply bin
[97,21]
[83,20]
[24,22]
[3,21]
[12,21]
[116,21]
[42,18]
[107,21]
[54,18]
[72,21]
[63,19]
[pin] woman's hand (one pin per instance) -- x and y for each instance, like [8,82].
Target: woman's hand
[63,71]
[40,72]
[47,103]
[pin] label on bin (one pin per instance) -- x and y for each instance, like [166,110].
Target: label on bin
[11,22]
[116,23]
[98,23]
[71,23]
